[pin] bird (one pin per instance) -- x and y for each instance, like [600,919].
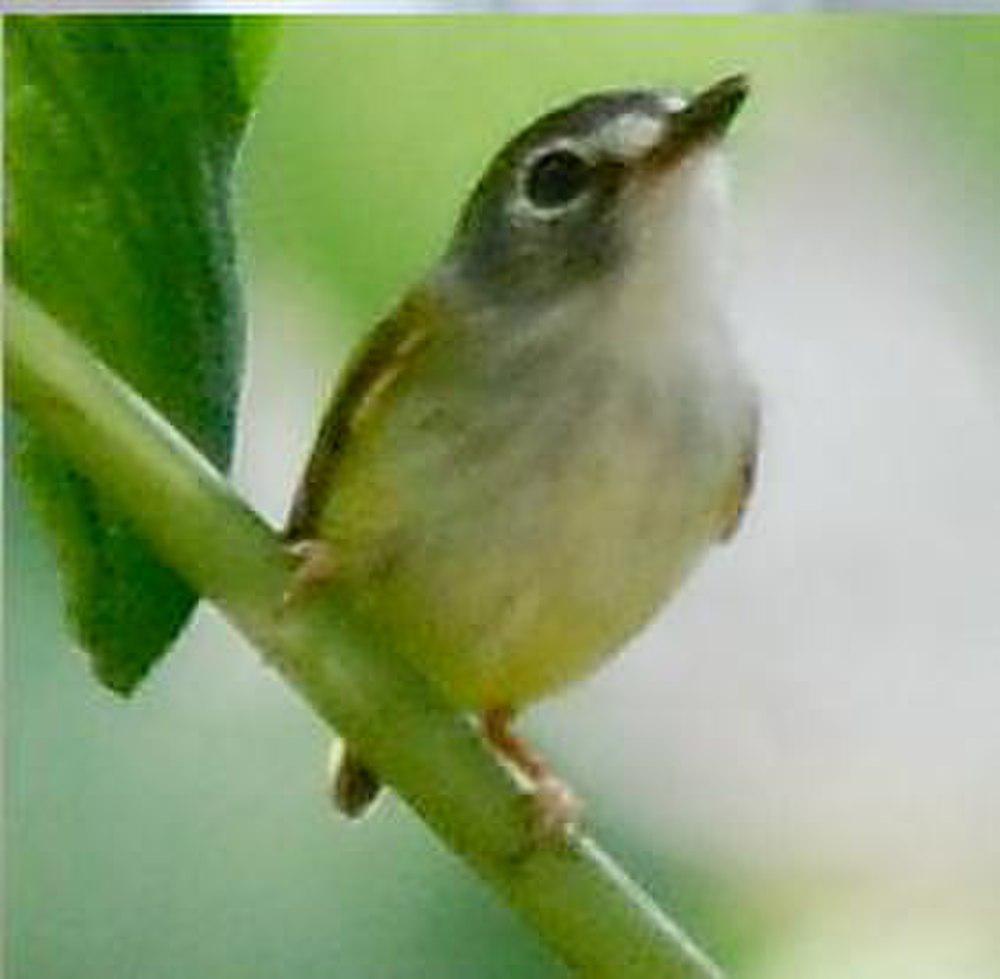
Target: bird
[524,459]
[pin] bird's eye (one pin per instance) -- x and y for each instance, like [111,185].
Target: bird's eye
[557,178]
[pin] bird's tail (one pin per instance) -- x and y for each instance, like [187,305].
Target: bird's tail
[354,787]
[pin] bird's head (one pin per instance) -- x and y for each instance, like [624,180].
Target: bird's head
[590,190]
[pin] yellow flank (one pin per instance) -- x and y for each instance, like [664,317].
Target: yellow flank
[503,561]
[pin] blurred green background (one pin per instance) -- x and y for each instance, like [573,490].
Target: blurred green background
[803,759]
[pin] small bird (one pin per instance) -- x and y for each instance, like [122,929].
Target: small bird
[527,457]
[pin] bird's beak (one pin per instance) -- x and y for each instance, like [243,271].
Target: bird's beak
[704,119]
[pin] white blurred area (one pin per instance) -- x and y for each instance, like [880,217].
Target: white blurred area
[818,709]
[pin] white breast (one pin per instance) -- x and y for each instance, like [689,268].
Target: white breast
[669,321]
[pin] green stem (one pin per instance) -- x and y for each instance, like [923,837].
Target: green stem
[574,896]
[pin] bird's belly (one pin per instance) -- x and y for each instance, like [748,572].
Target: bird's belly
[553,590]
[546,553]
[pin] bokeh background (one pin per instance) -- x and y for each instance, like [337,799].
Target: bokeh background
[802,756]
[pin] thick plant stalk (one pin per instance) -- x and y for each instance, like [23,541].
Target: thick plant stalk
[585,908]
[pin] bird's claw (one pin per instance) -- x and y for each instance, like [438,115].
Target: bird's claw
[316,566]
[555,810]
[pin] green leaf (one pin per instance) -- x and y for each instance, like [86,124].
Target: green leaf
[121,135]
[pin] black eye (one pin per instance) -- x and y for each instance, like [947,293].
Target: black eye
[557,178]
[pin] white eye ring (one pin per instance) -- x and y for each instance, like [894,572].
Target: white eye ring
[524,207]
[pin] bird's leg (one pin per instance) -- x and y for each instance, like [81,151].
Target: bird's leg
[556,808]
[316,566]
[496,729]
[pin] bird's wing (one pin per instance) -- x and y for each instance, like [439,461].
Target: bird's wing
[358,395]
[745,480]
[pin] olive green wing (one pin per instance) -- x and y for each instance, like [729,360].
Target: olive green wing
[359,394]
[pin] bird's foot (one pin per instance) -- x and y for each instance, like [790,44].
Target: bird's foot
[316,566]
[555,810]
